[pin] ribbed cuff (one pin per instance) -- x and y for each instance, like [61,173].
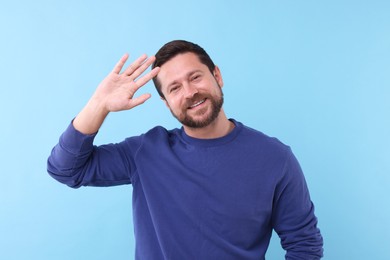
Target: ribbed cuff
[76,142]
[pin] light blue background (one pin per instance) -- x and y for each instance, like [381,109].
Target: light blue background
[315,74]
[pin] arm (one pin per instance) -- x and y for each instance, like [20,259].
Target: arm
[74,160]
[293,215]
[115,93]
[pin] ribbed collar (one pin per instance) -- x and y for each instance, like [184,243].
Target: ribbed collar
[212,142]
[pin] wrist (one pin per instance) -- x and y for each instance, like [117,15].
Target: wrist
[97,105]
[91,117]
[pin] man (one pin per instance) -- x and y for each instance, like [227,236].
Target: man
[214,189]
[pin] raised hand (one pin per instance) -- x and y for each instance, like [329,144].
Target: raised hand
[116,93]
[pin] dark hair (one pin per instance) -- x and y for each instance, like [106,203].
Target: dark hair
[173,48]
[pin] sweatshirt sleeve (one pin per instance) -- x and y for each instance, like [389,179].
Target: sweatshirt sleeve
[293,215]
[76,162]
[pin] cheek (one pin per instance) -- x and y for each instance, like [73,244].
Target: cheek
[172,104]
[216,90]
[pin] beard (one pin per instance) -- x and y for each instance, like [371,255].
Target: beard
[189,121]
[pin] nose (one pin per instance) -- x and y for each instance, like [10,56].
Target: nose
[189,91]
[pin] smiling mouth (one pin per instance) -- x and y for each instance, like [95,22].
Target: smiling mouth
[197,104]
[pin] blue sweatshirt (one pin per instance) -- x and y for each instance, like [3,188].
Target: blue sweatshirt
[200,198]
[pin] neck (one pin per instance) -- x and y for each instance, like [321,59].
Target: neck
[220,127]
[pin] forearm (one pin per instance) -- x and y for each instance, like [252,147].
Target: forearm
[293,216]
[91,117]
[76,162]
[69,156]
[305,241]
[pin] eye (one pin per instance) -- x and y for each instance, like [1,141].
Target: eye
[196,77]
[174,88]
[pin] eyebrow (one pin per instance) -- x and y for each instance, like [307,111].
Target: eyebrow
[186,76]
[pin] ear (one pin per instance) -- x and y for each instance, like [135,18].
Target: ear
[218,76]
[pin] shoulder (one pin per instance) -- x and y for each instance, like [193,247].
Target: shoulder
[258,142]
[159,134]
[160,131]
[261,140]
[152,140]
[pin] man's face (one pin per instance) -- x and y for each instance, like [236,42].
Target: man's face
[191,91]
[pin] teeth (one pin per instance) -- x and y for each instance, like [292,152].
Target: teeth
[197,104]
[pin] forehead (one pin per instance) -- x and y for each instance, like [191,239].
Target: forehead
[178,67]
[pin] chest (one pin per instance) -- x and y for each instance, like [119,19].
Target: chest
[225,182]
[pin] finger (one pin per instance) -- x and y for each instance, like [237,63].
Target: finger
[118,67]
[135,65]
[138,100]
[147,77]
[143,67]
